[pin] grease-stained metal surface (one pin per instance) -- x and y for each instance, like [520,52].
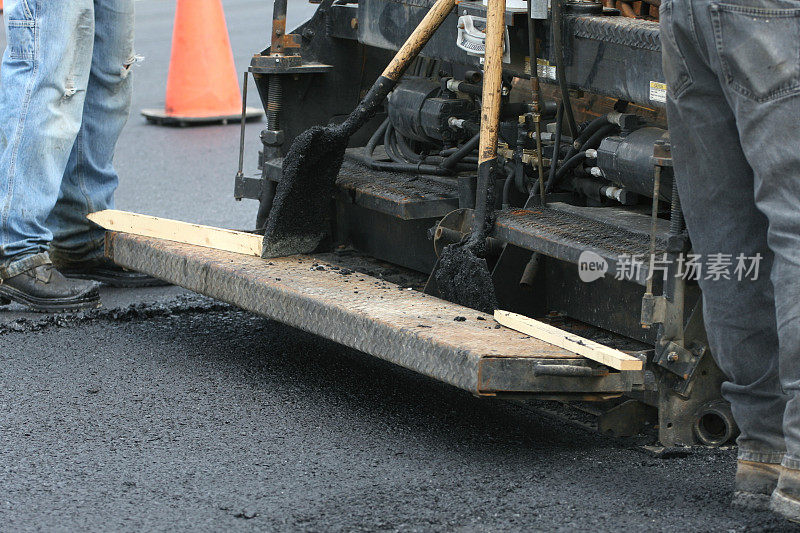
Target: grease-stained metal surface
[436,338]
[565,235]
[405,196]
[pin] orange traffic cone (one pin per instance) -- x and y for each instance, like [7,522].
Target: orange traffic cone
[202,86]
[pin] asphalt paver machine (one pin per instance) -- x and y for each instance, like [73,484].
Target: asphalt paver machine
[586,227]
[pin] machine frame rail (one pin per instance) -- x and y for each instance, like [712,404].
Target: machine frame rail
[445,341]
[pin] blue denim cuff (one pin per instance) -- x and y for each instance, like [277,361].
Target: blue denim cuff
[791,462]
[760,456]
[18,266]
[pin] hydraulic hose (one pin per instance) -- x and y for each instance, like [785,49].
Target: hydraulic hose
[510,174]
[400,167]
[590,129]
[558,45]
[389,146]
[373,141]
[399,142]
[556,146]
[451,160]
[573,159]
[569,164]
[594,140]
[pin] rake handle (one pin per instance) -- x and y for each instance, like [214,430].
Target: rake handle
[418,39]
[490,122]
[492,80]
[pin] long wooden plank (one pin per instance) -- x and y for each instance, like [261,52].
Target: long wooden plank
[574,343]
[184,232]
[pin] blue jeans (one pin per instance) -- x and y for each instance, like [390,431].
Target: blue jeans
[733,76]
[65,94]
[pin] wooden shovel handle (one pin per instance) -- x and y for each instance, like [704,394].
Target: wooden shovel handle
[492,79]
[418,39]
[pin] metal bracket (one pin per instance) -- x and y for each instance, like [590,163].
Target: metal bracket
[679,360]
[654,310]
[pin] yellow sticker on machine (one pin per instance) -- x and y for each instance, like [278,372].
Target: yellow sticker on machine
[658,92]
[545,69]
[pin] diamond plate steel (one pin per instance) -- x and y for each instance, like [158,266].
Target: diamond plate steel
[406,327]
[626,31]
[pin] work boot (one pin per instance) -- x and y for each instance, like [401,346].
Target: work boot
[754,484]
[43,288]
[104,270]
[786,497]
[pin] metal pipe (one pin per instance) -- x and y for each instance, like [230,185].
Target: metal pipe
[561,75]
[539,157]
[240,172]
[461,153]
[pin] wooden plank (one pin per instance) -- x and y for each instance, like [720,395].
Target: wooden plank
[574,343]
[172,230]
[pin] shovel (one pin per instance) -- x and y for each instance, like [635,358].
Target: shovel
[462,275]
[297,222]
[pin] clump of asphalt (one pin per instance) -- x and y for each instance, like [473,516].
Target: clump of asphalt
[463,277]
[300,214]
[462,273]
[180,306]
[220,420]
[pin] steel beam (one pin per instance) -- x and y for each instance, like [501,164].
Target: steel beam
[445,341]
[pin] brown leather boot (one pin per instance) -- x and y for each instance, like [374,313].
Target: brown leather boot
[754,484]
[786,497]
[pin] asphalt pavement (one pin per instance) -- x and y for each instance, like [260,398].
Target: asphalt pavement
[168,411]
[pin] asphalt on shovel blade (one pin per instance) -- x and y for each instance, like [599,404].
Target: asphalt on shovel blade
[300,214]
[463,278]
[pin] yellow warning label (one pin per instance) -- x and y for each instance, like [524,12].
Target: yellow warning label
[546,70]
[658,92]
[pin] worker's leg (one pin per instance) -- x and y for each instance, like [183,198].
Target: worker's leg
[90,179]
[763,86]
[715,182]
[43,81]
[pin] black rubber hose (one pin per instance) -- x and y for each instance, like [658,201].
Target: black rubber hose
[558,45]
[510,175]
[461,153]
[400,144]
[556,146]
[373,141]
[599,135]
[568,165]
[592,142]
[587,131]
[590,129]
[389,147]
[578,158]
[400,167]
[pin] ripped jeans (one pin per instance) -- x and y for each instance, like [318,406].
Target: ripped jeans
[65,94]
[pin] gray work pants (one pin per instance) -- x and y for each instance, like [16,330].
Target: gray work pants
[733,75]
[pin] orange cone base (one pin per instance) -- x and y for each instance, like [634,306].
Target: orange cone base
[161,118]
